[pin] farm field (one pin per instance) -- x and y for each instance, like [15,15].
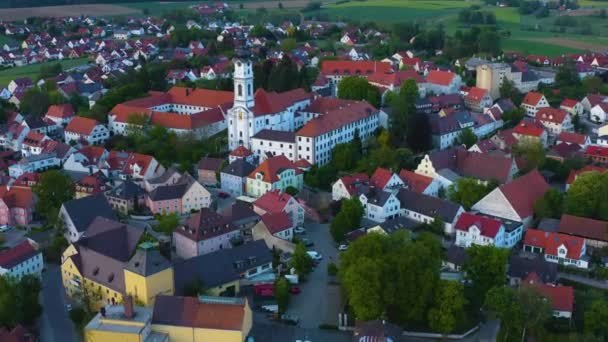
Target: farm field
[63,11]
[32,71]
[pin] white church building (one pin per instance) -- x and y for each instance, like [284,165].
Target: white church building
[294,123]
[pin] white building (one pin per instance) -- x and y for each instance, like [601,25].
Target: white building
[472,229]
[34,163]
[425,209]
[379,205]
[534,101]
[557,248]
[22,259]
[233,177]
[87,130]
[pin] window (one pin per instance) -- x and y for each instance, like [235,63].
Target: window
[240,90]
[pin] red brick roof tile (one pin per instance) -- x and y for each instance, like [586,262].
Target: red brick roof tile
[354,68]
[583,227]
[524,191]
[550,242]
[551,115]
[440,77]
[415,182]
[532,98]
[271,167]
[488,227]
[277,222]
[81,125]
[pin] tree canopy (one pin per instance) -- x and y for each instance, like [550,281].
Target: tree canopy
[19,300]
[347,220]
[468,191]
[486,268]
[358,88]
[52,190]
[588,196]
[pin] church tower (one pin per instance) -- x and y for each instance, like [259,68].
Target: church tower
[243,83]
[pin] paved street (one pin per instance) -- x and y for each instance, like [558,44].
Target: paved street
[55,324]
[600,284]
[319,301]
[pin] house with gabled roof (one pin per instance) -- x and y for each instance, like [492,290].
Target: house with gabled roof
[276,173]
[571,138]
[420,183]
[561,297]
[476,229]
[60,113]
[424,209]
[17,205]
[555,121]
[276,201]
[595,232]
[514,200]
[532,102]
[233,177]
[385,180]
[530,131]
[184,196]
[378,205]
[77,214]
[442,82]
[22,259]
[557,247]
[89,131]
[346,186]
[477,99]
[573,107]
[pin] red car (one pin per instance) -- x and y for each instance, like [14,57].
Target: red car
[222,194]
[295,290]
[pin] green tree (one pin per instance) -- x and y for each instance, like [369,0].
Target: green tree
[596,318]
[52,190]
[437,226]
[167,223]
[588,196]
[19,302]
[281,293]
[467,137]
[347,220]
[404,107]
[358,88]
[486,267]
[508,91]
[513,117]
[533,152]
[468,191]
[300,260]
[419,133]
[288,44]
[550,205]
[448,307]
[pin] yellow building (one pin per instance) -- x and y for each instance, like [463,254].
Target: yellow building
[105,264]
[202,319]
[147,275]
[124,323]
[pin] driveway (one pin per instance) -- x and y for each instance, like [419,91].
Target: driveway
[55,324]
[319,301]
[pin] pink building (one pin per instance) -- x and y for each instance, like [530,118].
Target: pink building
[16,205]
[204,232]
[186,195]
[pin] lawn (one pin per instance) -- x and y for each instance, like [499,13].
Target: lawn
[158,7]
[536,48]
[32,71]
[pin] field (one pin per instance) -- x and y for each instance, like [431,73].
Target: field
[63,11]
[32,71]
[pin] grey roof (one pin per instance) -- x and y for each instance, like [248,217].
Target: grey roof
[84,210]
[210,163]
[240,168]
[112,238]
[376,196]
[147,262]
[398,223]
[167,192]
[164,177]
[221,267]
[269,134]
[451,123]
[281,333]
[428,205]
[549,225]
[127,190]
[456,255]
[520,267]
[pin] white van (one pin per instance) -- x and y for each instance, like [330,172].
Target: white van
[314,255]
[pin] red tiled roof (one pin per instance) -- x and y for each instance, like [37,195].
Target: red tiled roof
[200,97]
[240,151]
[27,178]
[568,103]
[550,242]
[354,68]
[61,111]
[271,167]
[18,334]
[572,138]
[589,168]
[561,297]
[191,121]
[476,94]
[584,227]
[124,161]
[551,114]
[273,201]
[272,102]
[347,112]
[14,256]
[524,191]
[17,197]
[277,222]
[190,312]
[440,77]
[380,178]
[529,128]
[488,227]
[395,79]
[81,125]
[597,151]
[302,164]
[416,182]
[351,181]
[532,98]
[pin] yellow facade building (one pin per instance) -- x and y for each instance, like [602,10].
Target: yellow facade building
[105,264]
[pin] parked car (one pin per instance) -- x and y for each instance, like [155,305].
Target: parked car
[315,255]
[290,319]
[299,230]
[342,247]
[307,242]
[222,194]
[68,307]
[294,290]
[5,228]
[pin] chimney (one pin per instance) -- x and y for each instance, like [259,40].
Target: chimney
[128,306]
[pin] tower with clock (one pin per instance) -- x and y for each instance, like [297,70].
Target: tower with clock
[240,118]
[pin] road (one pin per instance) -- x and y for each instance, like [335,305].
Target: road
[55,324]
[600,284]
[319,301]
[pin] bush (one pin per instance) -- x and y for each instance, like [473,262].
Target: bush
[332,269]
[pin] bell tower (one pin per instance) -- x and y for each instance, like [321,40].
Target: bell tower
[243,83]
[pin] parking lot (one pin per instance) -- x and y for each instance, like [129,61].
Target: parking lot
[319,302]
